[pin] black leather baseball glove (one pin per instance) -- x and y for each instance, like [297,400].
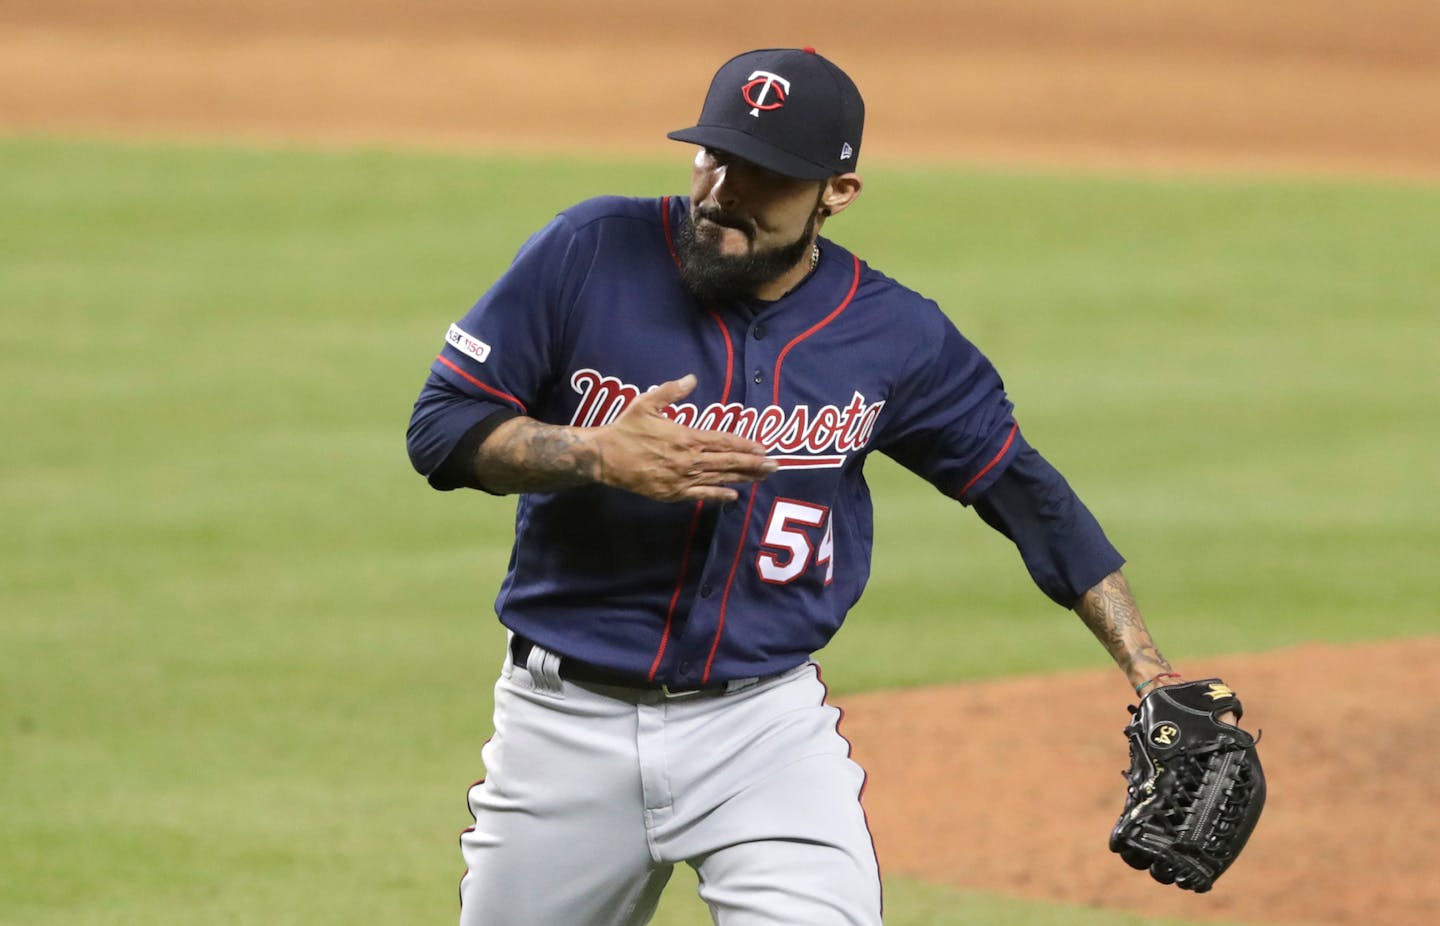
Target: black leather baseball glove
[1195,787]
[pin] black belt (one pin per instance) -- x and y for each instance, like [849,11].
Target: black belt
[575,670]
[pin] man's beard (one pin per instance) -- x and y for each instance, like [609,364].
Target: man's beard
[720,279]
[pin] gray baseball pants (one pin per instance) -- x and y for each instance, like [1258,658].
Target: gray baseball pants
[593,794]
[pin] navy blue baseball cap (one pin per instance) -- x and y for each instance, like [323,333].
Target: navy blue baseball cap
[787,109]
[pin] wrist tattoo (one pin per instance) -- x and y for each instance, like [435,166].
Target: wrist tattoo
[1109,610]
[535,457]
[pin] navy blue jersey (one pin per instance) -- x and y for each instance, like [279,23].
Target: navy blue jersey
[593,312]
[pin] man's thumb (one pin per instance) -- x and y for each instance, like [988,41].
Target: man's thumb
[672,391]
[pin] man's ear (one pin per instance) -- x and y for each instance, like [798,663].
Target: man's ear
[840,192]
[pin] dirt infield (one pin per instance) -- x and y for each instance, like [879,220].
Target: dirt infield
[963,785]
[1013,786]
[1285,84]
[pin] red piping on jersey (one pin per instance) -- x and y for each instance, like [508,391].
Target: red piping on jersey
[699,506]
[724,600]
[854,284]
[749,506]
[665,223]
[729,356]
[479,385]
[675,597]
[719,322]
[729,581]
[1009,439]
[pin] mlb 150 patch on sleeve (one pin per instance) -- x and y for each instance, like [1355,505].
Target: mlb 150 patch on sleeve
[467,344]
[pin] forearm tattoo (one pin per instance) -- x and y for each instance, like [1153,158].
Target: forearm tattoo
[1109,610]
[529,456]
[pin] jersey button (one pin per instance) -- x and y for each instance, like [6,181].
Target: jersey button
[705,590]
[759,332]
[759,377]
[728,507]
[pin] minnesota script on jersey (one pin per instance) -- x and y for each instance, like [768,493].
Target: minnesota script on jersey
[592,313]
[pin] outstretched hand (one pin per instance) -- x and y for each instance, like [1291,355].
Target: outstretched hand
[644,452]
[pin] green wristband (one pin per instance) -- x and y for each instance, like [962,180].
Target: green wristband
[1156,679]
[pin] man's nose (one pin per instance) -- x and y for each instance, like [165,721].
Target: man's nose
[724,191]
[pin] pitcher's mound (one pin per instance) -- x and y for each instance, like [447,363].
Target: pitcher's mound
[1011,787]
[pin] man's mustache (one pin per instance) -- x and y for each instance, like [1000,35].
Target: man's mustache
[726,219]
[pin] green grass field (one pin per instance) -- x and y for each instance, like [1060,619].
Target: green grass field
[246,654]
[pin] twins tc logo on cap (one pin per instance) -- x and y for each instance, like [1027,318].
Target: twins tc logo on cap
[771,92]
[815,113]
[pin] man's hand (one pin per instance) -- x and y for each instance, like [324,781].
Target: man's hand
[641,451]
[644,452]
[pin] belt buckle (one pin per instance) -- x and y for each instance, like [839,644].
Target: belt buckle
[739,684]
[671,694]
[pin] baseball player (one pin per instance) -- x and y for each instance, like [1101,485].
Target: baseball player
[683,392]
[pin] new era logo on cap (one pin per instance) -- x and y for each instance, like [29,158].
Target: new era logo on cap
[788,109]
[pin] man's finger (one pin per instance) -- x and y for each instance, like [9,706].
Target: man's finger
[747,464]
[666,393]
[711,494]
[739,476]
[718,469]
[724,442]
